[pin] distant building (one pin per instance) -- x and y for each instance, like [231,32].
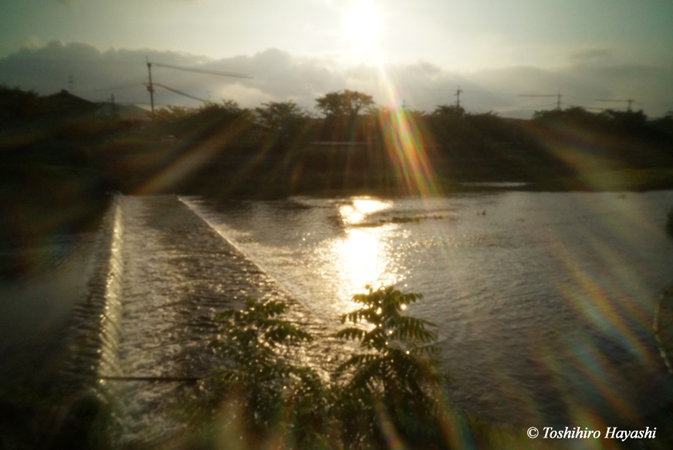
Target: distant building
[66,103]
[69,104]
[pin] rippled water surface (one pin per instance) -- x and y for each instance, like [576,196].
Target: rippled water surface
[544,302]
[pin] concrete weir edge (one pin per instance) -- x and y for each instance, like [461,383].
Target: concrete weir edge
[95,325]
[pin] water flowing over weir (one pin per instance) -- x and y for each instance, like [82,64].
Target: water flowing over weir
[515,344]
[148,321]
[95,321]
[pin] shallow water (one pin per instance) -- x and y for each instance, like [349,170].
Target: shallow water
[543,302]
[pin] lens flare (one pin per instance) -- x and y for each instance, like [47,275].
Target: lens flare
[404,143]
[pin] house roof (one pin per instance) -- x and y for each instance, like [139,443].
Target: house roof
[65,101]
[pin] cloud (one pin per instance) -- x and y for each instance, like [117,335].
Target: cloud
[592,55]
[279,76]
[31,43]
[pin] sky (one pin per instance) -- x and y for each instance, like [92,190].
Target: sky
[417,53]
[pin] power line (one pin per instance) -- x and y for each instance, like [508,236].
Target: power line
[150,86]
[558,97]
[181,93]
[115,88]
[206,71]
[77,61]
[629,101]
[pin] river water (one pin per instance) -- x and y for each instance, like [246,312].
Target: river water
[543,302]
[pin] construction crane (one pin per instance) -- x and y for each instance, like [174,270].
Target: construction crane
[629,102]
[150,85]
[558,98]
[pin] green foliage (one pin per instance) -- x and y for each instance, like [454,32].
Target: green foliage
[392,386]
[393,383]
[277,397]
[391,330]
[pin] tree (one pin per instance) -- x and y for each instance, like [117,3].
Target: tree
[449,111]
[341,110]
[172,112]
[17,104]
[395,379]
[254,342]
[276,115]
[393,385]
[284,125]
[343,104]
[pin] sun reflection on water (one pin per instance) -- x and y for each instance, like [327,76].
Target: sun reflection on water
[362,255]
[358,210]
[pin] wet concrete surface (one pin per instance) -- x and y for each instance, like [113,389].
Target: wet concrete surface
[178,274]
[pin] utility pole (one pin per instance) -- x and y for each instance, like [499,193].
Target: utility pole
[458,92]
[114,105]
[150,87]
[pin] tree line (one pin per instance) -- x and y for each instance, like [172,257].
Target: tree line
[351,143]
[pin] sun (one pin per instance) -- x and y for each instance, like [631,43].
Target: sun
[362,25]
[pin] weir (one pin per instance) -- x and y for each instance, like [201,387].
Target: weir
[142,336]
[94,333]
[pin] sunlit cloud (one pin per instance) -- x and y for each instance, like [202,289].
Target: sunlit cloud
[593,55]
[31,44]
[279,75]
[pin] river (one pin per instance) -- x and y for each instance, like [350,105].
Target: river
[543,302]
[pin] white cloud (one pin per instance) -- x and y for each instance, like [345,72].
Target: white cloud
[279,75]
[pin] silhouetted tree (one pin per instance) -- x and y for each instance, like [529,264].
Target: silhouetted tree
[275,115]
[283,123]
[449,111]
[346,103]
[172,112]
[632,122]
[341,110]
[17,104]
